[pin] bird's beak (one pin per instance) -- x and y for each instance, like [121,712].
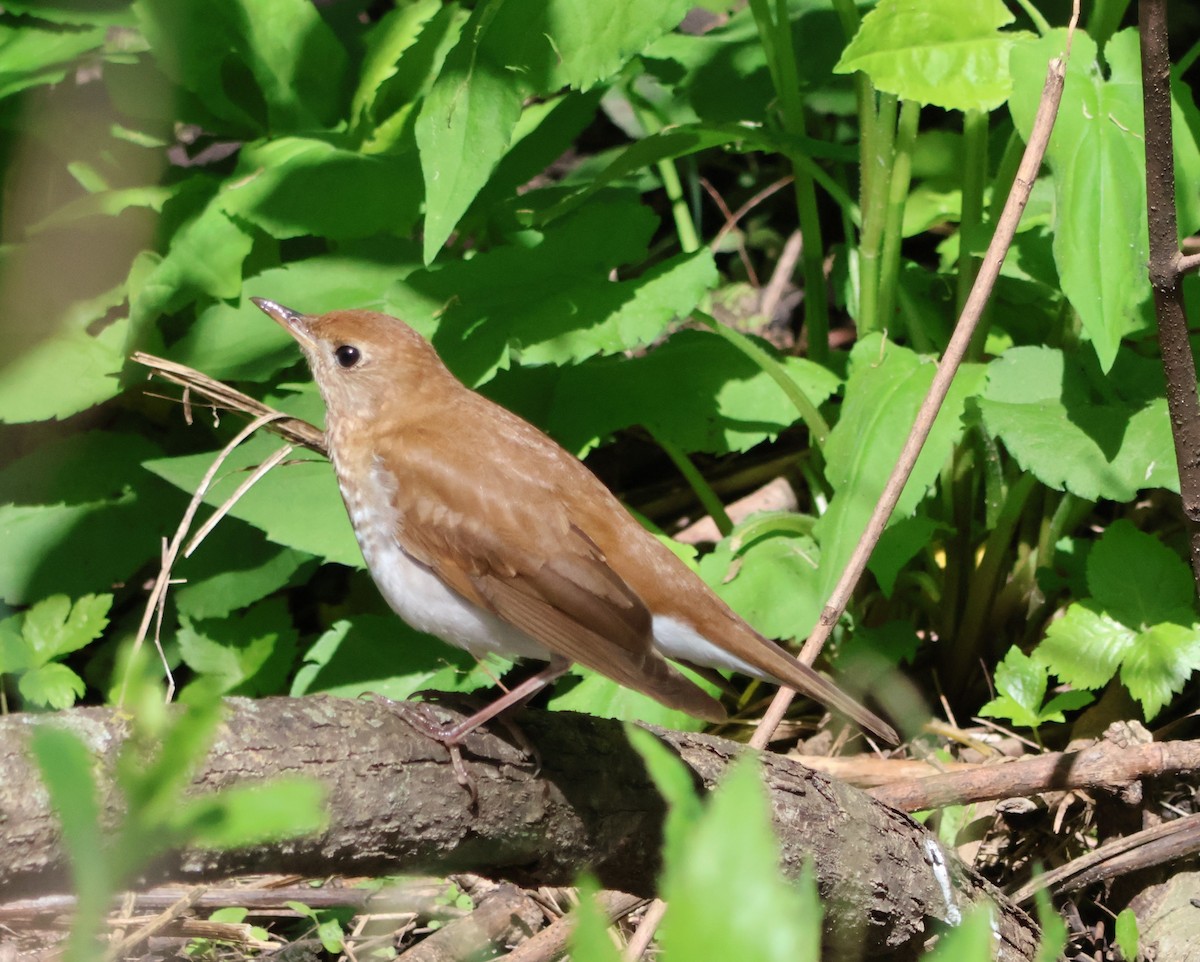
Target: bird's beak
[291,321]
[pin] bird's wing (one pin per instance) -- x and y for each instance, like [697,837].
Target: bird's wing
[563,594]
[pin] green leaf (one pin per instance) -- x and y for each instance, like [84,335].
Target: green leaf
[1093,437]
[256,64]
[250,653]
[726,897]
[1086,645]
[971,941]
[1097,156]
[235,567]
[593,694]
[387,41]
[1137,578]
[297,505]
[676,783]
[63,375]
[886,386]
[1021,682]
[238,342]
[297,186]
[901,542]
[65,764]
[1126,932]
[772,583]
[464,127]
[100,520]
[481,314]
[382,655]
[939,52]
[54,627]
[254,814]
[1159,664]
[205,257]
[52,686]
[720,400]
[33,56]
[589,939]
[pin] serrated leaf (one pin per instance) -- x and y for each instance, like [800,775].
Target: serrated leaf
[1137,578]
[727,897]
[464,128]
[55,627]
[1060,428]
[1086,646]
[383,655]
[387,41]
[51,686]
[1097,155]
[1009,709]
[249,653]
[481,316]
[941,52]
[205,257]
[1159,664]
[1022,681]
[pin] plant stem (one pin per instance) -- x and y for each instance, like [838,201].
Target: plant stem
[775,31]
[874,215]
[975,150]
[889,274]
[704,492]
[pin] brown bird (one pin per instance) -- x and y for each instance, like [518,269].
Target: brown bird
[481,530]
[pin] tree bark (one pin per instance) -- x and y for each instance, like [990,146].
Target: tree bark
[395,806]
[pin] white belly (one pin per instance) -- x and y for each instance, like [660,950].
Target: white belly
[417,595]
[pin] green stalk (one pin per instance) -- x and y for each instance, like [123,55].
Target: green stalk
[981,592]
[1040,24]
[874,215]
[776,34]
[703,490]
[975,152]
[818,427]
[689,241]
[889,274]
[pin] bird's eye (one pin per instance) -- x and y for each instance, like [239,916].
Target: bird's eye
[347,355]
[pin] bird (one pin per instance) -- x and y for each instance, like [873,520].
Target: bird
[480,529]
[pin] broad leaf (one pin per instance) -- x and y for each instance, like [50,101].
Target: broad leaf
[1097,155]
[941,52]
[380,654]
[1095,437]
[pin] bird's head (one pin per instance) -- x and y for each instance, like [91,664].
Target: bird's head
[359,359]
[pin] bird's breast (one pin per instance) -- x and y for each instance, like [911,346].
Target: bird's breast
[412,589]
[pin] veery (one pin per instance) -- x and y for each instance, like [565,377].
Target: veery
[481,530]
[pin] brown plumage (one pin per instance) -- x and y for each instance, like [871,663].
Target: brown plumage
[480,529]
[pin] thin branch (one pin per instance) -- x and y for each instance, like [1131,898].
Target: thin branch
[948,366]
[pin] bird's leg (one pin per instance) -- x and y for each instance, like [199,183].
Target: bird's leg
[452,736]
